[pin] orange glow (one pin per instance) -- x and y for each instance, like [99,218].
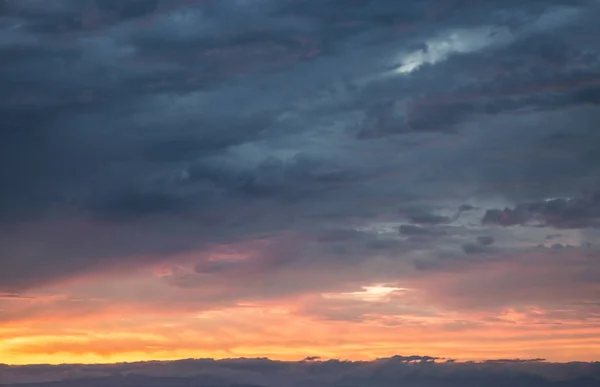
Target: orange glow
[143,316]
[281,333]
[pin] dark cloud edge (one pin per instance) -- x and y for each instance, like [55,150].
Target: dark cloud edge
[410,370]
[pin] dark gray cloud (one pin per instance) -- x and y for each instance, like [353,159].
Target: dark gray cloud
[128,9]
[471,248]
[176,125]
[485,240]
[408,370]
[555,212]
[409,229]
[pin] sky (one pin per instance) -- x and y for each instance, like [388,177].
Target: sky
[348,179]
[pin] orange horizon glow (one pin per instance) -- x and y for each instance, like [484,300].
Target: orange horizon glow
[283,332]
[369,343]
[142,315]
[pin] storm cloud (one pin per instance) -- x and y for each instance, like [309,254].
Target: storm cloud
[288,146]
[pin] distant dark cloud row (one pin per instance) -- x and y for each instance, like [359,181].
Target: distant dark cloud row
[408,370]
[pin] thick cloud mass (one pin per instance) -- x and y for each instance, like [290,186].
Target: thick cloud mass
[397,138]
[407,371]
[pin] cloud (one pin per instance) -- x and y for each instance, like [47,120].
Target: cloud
[408,229]
[485,240]
[291,150]
[127,9]
[556,212]
[409,370]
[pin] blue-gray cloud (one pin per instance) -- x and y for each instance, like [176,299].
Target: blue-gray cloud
[405,370]
[173,125]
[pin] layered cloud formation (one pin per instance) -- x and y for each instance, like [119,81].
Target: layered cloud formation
[222,175]
[417,371]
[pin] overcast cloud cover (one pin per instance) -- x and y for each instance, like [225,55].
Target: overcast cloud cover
[400,163]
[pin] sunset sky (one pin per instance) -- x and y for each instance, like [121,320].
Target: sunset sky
[349,179]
